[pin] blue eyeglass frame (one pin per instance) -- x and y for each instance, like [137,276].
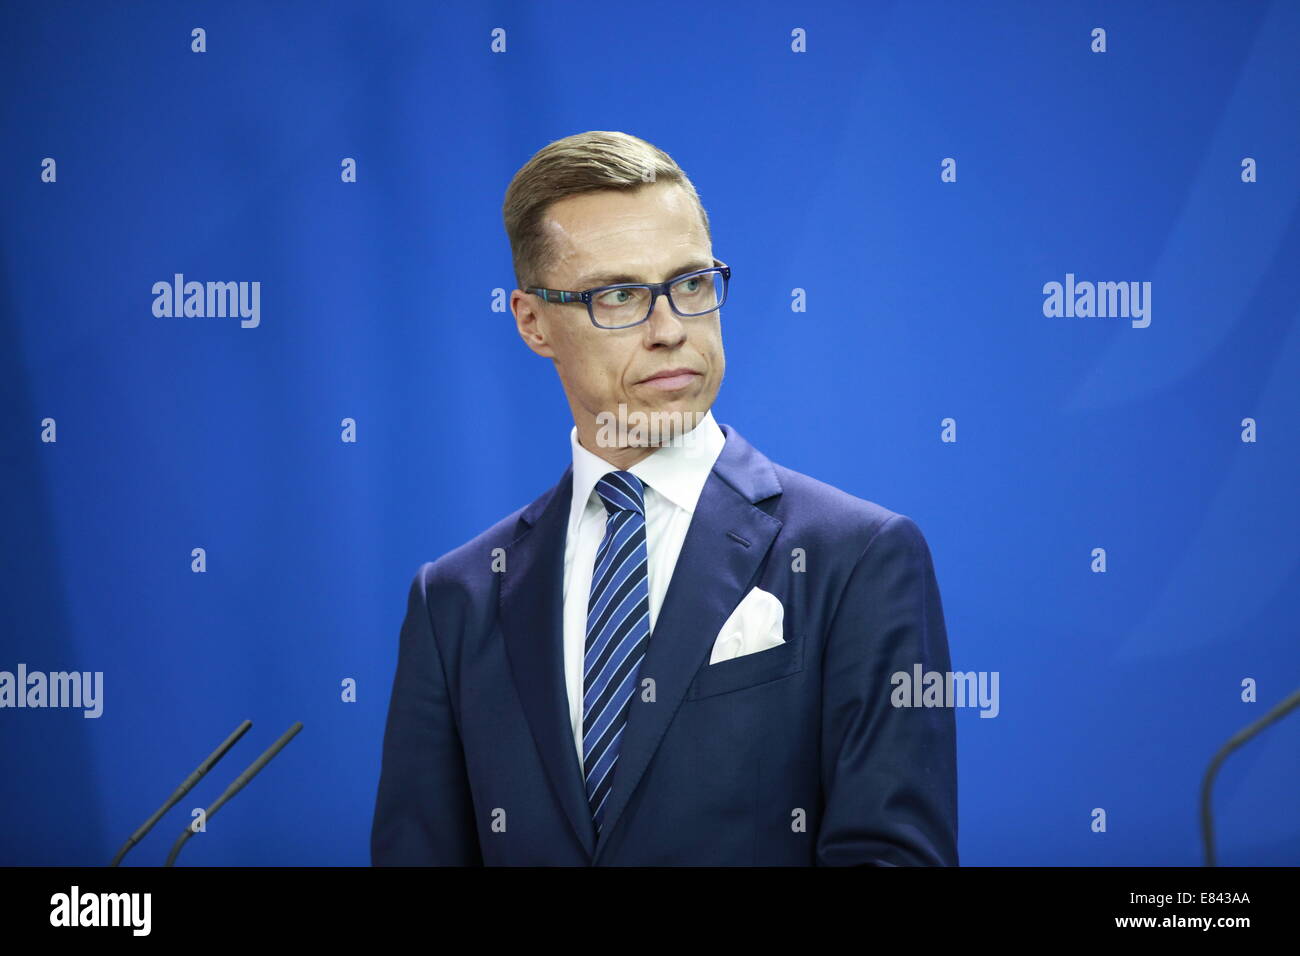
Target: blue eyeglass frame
[656,290]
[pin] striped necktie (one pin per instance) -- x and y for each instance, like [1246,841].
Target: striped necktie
[618,629]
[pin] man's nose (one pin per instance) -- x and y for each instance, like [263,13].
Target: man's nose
[664,325]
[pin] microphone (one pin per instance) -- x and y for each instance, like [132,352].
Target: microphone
[1235,741]
[239,783]
[183,789]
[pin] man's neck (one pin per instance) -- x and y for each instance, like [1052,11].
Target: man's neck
[623,457]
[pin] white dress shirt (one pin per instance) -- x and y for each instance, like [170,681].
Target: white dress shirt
[673,476]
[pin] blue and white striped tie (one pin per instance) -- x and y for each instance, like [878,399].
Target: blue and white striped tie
[618,629]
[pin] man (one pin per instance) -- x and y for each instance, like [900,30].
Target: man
[682,652]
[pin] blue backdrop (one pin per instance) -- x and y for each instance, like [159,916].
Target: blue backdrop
[823,140]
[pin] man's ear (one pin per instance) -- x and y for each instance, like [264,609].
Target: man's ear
[530,323]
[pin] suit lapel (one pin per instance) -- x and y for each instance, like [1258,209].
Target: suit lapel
[531,610]
[723,550]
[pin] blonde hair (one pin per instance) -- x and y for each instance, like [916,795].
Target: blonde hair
[584,162]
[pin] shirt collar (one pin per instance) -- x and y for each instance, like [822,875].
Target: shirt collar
[677,471]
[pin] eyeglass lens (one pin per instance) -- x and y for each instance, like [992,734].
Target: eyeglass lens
[692,295]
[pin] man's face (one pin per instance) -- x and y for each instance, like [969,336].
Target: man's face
[601,238]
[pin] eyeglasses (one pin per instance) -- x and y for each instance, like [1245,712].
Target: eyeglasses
[630,303]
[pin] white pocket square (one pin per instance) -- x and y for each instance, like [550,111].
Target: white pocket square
[757,624]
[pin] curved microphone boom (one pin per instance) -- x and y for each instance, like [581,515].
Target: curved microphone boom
[239,783]
[184,788]
[1237,739]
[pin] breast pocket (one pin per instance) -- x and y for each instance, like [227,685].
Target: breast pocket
[750,670]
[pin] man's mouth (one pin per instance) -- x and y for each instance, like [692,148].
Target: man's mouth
[669,380]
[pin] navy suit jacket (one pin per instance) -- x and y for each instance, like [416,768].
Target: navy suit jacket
[788,756]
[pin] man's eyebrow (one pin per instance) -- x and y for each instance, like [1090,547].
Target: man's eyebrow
[595,279]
